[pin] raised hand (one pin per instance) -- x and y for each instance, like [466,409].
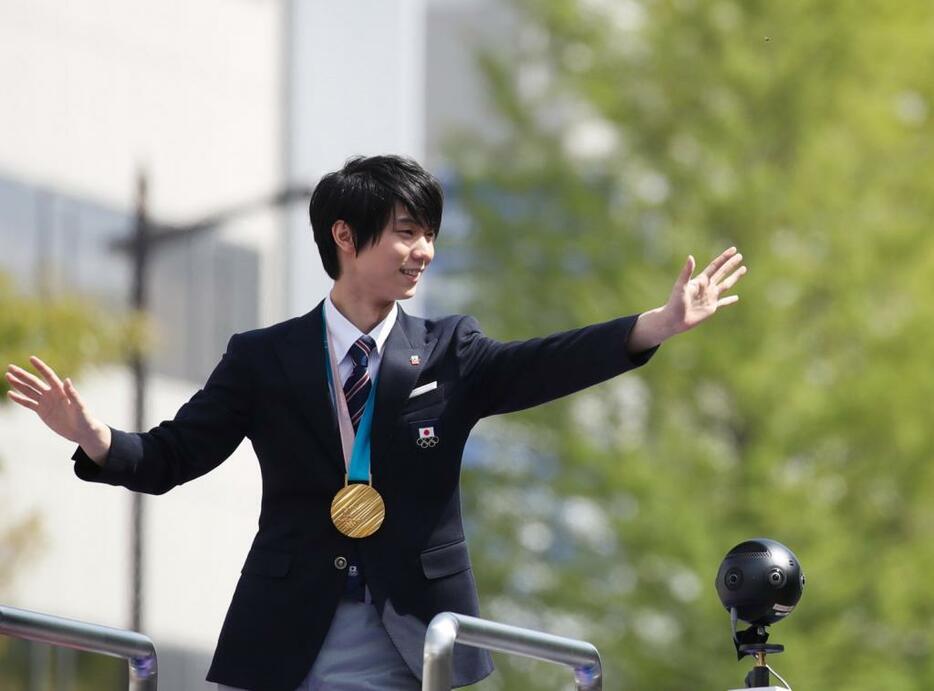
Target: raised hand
[693,300]
[59,406]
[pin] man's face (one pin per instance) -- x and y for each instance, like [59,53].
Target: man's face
[392,268]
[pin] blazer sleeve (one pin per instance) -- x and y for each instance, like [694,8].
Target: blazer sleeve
[505,377]
[204,432]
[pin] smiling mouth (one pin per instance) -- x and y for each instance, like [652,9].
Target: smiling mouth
[412,273]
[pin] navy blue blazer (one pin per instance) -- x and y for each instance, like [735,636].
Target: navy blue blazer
[271,386]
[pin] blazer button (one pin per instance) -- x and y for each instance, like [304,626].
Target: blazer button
[340,563]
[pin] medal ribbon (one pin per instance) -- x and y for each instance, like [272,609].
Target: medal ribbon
[355,446]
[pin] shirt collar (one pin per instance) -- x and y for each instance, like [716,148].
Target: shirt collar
[345,334]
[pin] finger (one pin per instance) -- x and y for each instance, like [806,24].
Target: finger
[686,272]
[719,261]
[24,387]
[28,377]
[731,280]
[729,300]
[22,400]
[728,266]
[73,395]
[47,372]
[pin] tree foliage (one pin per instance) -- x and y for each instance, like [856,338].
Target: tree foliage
[635,133]
[65,332]
[68,333]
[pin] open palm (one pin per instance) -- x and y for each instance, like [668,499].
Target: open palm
[693,300]
[56,402]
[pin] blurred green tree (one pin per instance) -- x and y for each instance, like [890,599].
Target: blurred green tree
[67,332]
[634,132]
[70,334]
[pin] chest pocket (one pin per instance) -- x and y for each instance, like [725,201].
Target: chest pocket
[425,400]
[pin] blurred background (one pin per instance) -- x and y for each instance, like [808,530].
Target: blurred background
[586,147]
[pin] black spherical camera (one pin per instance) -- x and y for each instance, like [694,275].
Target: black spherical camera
[760,582]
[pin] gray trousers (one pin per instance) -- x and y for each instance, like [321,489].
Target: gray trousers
[357,655]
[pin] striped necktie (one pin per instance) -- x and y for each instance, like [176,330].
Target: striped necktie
[357,387]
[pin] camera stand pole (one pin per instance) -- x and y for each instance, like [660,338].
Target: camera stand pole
[759,676]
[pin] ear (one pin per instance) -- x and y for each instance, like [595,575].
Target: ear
[343,237]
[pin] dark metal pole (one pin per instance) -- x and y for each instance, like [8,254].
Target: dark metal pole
[138,367]
[147,237]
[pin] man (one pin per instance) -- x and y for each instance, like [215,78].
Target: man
[359,414]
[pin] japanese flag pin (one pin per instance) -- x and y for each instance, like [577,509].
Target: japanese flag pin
[427,437]
[415,361]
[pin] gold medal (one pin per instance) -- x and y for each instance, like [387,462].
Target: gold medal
[357,510]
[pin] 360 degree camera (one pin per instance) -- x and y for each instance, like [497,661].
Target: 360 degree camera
[760,581]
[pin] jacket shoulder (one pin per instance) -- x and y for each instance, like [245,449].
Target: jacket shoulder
[452,327]
[260,339]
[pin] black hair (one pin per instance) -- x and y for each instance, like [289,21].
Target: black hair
[363,194]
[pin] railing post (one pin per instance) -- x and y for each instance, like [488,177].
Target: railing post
[438,655]
[137,649]
[448,628]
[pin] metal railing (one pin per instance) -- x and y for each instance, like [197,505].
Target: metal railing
[137,649]
[448,628]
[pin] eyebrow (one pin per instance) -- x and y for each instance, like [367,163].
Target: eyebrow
[408,220]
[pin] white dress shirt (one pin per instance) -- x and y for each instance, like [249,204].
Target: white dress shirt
[344,334]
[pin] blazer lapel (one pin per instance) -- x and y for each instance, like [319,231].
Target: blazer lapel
[407,344]
[302,356]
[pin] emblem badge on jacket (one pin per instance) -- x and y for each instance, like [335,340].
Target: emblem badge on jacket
[427,437]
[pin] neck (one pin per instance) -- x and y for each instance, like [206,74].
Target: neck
[364,313]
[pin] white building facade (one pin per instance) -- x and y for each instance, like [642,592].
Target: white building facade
[219,102]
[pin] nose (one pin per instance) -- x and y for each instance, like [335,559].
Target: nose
[423,251]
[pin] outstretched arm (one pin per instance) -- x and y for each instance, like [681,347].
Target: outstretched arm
[505,377]
[692,300]
[59,405]
[203,433]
